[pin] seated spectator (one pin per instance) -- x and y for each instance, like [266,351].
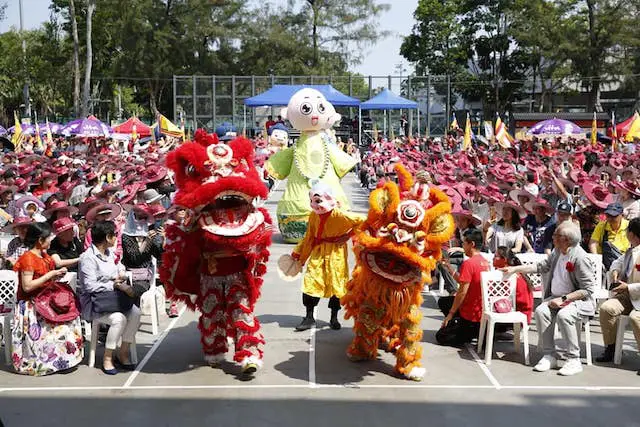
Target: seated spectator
[30,207]
[66,248]
[627,195]
[507,231]
[17,246]
[564,212]
[568,295]
[464,311]
[39,346]
[536,223]
[7,204]
[609,238]
[99,273]
[140,242]
[626,280]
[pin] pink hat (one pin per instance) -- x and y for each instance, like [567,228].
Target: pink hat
[597,194]
[103,208]
[18,221]
[63,224]
[59,206]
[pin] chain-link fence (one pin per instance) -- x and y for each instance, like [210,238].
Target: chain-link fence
[208,101]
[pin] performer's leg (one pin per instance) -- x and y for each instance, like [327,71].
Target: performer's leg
[213,320]
[408,356]
[367,331]
[310,304]
[334,305]
[245,326]
[390,340]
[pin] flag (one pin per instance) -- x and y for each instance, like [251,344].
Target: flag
[134,133]
[454,123]
[16,139]
[502,135]
[594,131]
[488,132]
[375,133]
[168,128]
[466,142]
[49,136]
[614,132]
[634,129]
[38,138]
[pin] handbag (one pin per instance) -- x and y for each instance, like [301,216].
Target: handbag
[610,252]
[57,303]
[111,301]
[140,274]
[502,305]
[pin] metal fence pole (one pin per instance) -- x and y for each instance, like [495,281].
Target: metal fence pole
[410,111]
[175,99]
[215,101]
[428,131]
[253,93]
[448,112]
[233,100]
[195,100]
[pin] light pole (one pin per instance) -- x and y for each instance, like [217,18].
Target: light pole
[27,101]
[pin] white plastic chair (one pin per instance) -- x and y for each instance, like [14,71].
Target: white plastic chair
[151,296]
[601,289]
[8,295]
[535,278]
[496,287]
[623,322]
[95,328]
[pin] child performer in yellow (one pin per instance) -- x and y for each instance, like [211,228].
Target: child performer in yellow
[324,250]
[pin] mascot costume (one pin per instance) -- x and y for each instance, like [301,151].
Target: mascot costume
[214,260]
[278,138]
[396,249]
[312,158]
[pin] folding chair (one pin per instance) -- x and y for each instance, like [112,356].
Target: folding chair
[495,287]
[8,295]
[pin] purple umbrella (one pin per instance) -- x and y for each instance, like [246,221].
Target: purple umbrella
[55,127]
[89,127]
[3,131]
[556,127]
[26,129]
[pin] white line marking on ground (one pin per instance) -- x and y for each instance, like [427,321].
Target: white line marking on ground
[484,367]
[312,352]
[147,357]
[323,386]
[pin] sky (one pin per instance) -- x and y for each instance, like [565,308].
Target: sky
[379,60]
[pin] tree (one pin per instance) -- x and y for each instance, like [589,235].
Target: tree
[345,27]
[86,94]
[76,58]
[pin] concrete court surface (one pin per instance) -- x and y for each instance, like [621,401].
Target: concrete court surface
[308,381]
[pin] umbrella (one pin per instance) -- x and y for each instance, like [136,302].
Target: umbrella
[26,129]
[127,127]
[556,127]
[3,131]
[89,127]
[55,127]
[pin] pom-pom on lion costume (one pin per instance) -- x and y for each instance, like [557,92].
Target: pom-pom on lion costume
[214,262]
[396,249]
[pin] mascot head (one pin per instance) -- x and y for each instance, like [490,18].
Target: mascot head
[309,110]
[321,198]
[278,136]
[219,183]
[401,240]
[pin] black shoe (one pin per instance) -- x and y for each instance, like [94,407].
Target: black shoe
[608,354]
[306,324]
[334,324]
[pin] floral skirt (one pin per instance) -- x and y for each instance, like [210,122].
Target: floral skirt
[40,347]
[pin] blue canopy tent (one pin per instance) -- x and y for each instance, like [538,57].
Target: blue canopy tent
[281,94]
[387,100]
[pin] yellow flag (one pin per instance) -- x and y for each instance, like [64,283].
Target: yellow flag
[503,138]
[594,131]
[614,132]
[38,138]
[375,132]
[168,128]
[49,136]
[634,129]
[134,133]
[466,142]
[454,123]
[16,139]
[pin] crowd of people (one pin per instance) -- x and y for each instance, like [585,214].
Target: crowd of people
[99,211]
[561,197]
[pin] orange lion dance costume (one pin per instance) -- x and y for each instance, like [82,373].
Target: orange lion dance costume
[396,249]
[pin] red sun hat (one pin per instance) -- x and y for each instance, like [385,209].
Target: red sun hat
[532,204]
[63,224]
[519,210]
[598,195]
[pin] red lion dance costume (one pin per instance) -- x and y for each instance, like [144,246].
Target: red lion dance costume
[396,248]
[214,261]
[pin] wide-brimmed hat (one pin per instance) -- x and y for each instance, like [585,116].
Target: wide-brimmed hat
[578,176]
[514,194]
[151,195]
[465,189]
[109,188]
[154,173]
[532,204]
[492,192]
[19,221]
[22,202]
[104,208]
[59,206]
[598,195]
[454,196]
[463,213]
[91,176]
[617,163]
[8,189]
[63,224]
[509,203]
[629,186]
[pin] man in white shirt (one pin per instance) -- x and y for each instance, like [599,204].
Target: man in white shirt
[568,296]
[625,272]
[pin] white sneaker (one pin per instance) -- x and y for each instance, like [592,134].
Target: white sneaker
[571,367]
[547,362]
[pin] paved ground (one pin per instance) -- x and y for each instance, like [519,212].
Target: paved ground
[308,381]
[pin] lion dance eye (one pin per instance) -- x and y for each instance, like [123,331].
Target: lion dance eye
[410,213]
[190,170]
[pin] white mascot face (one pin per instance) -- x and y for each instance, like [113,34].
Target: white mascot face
[309,110]
[279,137]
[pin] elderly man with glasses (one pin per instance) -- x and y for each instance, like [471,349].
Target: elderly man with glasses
[568,295]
